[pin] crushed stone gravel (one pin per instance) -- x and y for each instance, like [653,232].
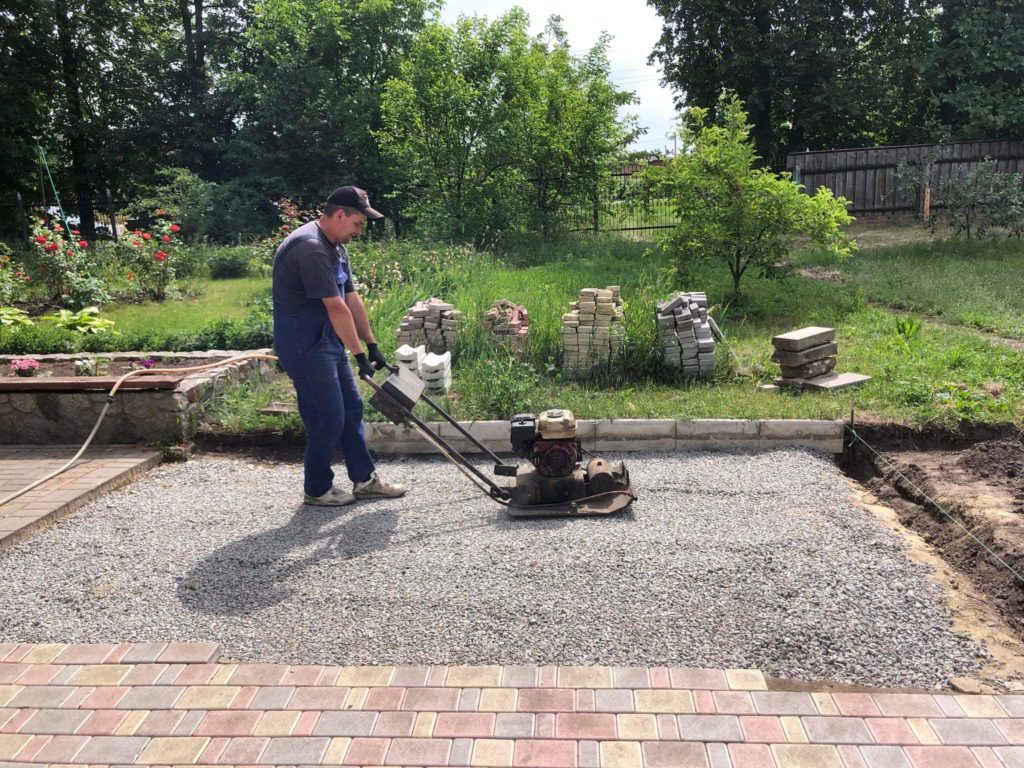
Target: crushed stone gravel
[727,560]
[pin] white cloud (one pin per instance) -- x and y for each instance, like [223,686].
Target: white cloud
[635,28]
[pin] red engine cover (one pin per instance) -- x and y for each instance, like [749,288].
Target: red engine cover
[555,458]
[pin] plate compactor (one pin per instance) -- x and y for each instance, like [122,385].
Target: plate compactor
[555,483]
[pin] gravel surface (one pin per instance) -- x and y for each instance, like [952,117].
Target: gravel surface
[726,560]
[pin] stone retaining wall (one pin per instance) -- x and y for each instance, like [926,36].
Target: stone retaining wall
[135,416]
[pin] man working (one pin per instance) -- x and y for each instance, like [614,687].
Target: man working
[318,314]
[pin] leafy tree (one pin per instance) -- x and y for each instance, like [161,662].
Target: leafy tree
[732,211]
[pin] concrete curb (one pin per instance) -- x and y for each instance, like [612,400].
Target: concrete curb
[630,435]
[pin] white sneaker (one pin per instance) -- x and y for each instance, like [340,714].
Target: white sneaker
[333,498]
[374,488]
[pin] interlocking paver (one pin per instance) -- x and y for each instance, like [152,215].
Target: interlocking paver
[11,744]
[161,722]
[493,753]
[584,725]
[733,702]
[112,750]
[884,757]
[907,705]
[614,701]
[320,697]
[247,750]
[39,696]
[890,730]
[473,677]
[180,750]
[276,697]
[621,754]
[466,725]
[84,653]
[968,732]
[836,730]
[806,756]
[345,724]
[980,706]
[783,703]
[395,724]
[709,728]
[228,723]
[514,725]
[637,727]
[707,679]
[419,751]
[55,721]
[189,653]
[304,750]
[941,757]
[258,674]
[100,674]
[499,700]
[151,697]
[61,749]
[469,700]
[364,752]
[276,724]
[207,697]
[533,753]
[662,754]
[663,701]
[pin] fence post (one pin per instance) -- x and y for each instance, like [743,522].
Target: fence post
[110,213]
[796,174]
[22,219]
[926,202]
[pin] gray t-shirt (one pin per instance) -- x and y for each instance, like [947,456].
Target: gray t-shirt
[308,268]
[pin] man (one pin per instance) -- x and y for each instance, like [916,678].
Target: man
[318,315]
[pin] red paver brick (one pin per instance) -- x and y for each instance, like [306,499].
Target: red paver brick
[586,700]
[674,754]
[196,674]
[6,649]
[852,757]
[228,723]
[764,729]
[582,726]
[366,752]
[9,673]
[660,677]
[119,652]
[547,676]
[189,653]
[19,653]
[986,757]
[20,718]
[161,722]
[467,725]
[307,674]
[104,722]
[245,697]
[546,700]
[258,674]
[307,722]
[704,703]
[890,730]
[941,757]
[430,699]
[419,751]
[244,750]
[393,724]
[751,756]
[382,699]
[34,747]
[544,753]
[211,755]
[1012,730]
[855,704]
[105,697]
[668,727]
[33,674]
[907,705]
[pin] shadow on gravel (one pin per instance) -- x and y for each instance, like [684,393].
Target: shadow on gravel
[256,572]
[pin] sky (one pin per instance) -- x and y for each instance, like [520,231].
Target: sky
[635,28]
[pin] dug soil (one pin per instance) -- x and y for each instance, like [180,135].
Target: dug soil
[963,494]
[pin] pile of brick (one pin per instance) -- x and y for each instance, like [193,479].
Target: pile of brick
[432,323]
[507,323]
[807,358]
[436,373]
[410,357]
[592,331]
[687,334]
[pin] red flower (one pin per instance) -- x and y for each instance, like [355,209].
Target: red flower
[83,243]
[18,273]
[27,278]
[136,243]
[175,228]
[147,236]
[137,232]
[285,227]
[166,238]
[159,255]
[131,275]
[41,239]
[51,247]
[75,232]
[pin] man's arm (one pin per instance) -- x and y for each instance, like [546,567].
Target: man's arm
[342,320]
[359,316]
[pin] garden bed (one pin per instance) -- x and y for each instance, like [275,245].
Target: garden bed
[56,371]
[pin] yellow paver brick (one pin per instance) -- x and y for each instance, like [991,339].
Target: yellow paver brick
[638,727]
[276,723]
[8,692]
[922,730]
[473,677]
[336,751]
[223,674]
[980,706]
[498,700]
[745,680]
[585,677]
[44,654]
[11,744]
[825,704]
[794,730]
[667,701]
[356,698]
[207,697]
[621,754]
[131,723]
[100,674]
[424,727]
[366,676]
[493,753]
[806,756]
[173,750]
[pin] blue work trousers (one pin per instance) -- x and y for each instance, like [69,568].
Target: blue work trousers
[329,401]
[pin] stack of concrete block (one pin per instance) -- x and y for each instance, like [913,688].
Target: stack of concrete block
[432,323]
[592,332]
[807,358]
[507,323]
[411,357]
[687,338]
[436,373]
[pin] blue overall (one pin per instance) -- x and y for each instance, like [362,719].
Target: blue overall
[329,401]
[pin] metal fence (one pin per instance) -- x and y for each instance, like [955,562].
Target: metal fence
[615,209]
[867,176]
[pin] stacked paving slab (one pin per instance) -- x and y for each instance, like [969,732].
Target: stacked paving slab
[411,357]
[592,332]
[685,330]
[808,358]
[436,373]
[507,323]
[432,323]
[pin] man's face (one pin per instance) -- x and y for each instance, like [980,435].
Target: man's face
[346,227]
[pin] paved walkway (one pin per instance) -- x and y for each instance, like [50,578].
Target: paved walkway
[101,469]
[160,704]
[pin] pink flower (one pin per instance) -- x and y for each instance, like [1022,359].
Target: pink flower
[146,236]
[41,239]
[285,227]
[166,238]
[83,243]
[51,247]
[75,232]
[175,228]
[159,255]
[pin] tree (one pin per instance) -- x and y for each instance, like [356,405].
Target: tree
[732,211]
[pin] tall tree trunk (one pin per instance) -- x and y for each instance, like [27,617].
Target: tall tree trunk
[193,25]
[77,135]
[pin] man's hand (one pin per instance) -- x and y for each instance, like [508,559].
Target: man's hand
[365,369]
[377,357]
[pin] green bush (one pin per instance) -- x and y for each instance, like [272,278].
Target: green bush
[225,263]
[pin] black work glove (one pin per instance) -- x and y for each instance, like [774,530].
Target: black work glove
[377,358]
[365,369]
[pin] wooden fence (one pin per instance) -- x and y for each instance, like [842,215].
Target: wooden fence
[867,177]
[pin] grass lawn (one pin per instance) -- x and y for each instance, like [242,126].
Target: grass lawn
[209,300]
[925,373]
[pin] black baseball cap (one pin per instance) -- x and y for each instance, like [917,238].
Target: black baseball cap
[354,197]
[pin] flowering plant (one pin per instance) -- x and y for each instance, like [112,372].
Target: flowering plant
[148,255]
[291,216]
[13,277]
[66,266]
[145,364]
[24,366]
